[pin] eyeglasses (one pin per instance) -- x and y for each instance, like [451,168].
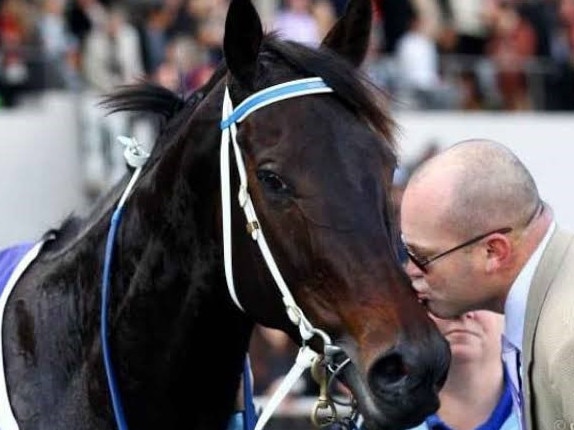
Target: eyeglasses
[423,262]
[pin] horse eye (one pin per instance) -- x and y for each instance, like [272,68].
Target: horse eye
[272,182]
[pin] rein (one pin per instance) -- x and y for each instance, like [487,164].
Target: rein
[136,157]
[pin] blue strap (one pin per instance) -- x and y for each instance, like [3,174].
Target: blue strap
[106,280]
[236,421]
[250,415]
[9,259]
[273,94]
[501,414]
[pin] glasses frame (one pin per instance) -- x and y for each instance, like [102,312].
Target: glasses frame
[422,263]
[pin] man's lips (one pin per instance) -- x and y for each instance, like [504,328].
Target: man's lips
[423,300]
[422,296]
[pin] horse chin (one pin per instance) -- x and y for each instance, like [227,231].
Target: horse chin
[396,409]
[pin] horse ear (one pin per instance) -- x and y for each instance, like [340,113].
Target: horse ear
[351,34]
[242,41]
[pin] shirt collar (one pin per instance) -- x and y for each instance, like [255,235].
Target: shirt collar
[515,306]
[497,418]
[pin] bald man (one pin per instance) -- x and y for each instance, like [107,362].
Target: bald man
[479,236]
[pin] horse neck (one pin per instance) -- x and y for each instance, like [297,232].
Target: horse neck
[171,317]
[174,313]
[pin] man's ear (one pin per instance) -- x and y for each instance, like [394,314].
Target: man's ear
[498,252]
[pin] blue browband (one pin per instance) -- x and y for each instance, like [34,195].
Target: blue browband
[273,94]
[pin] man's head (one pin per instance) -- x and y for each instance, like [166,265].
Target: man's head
[466,217]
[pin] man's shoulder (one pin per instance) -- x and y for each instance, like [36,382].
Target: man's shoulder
[555,270]
[560,250]
[565,235]
[555,273]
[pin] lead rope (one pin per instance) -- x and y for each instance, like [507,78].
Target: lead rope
[136,157]
[250,414]
[230,118]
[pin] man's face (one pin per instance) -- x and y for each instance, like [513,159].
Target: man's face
[446,288]
[451,284]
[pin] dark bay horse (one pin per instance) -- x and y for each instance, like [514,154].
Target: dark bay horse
[318,170]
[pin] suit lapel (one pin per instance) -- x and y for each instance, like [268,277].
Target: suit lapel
[545,272]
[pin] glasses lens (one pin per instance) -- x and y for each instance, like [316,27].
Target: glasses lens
[420,265]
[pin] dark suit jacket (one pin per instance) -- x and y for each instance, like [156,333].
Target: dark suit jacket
[548,343]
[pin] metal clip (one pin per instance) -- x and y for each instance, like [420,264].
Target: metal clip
[324,412]
[252,227]
[134,153]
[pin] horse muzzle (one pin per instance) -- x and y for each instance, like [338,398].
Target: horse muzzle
[396,394]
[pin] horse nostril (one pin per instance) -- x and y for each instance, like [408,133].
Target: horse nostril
[389,369]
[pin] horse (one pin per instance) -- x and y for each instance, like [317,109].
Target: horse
[314,171]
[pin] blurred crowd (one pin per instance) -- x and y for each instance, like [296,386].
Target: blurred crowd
[98,44]
[427,54]
[477,54]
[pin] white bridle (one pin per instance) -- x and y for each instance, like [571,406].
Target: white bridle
[230,118]
[229,132]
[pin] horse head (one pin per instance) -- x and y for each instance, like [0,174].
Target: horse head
[319,169]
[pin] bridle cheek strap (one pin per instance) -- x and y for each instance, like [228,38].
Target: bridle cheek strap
[231,117]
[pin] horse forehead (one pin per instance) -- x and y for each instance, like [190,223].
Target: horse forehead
[317,123]
[337,166]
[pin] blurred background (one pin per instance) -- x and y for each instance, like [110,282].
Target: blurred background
[450,70]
